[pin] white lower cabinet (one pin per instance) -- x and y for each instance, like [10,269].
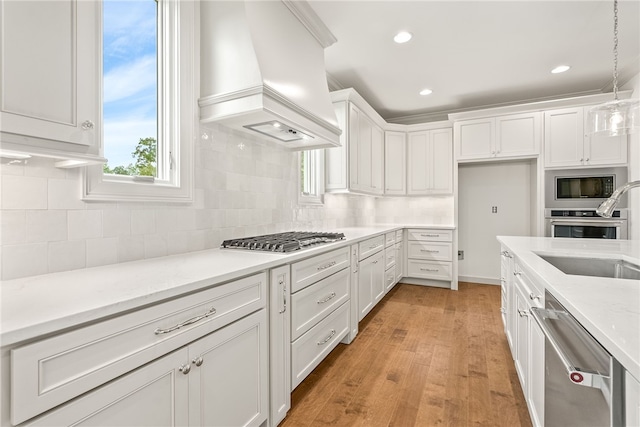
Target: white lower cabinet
[371,280]
[536,373]
[429,255]
[632,400]
[218,380]
[280,344]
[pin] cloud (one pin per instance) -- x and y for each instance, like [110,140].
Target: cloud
[122,136]
[130,79]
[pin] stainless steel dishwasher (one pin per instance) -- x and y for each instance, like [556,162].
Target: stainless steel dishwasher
[583,383]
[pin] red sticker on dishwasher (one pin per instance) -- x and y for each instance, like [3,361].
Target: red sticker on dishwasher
[576,377]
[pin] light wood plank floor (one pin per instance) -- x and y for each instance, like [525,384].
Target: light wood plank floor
[423,357]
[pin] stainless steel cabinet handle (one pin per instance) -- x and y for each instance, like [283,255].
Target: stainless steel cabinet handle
[430,235]
[506,254]
[198,361]
[191,321]
[429,269]
[324,267]
[87,125]
[503,310]
[533,296]
[329,298]
[324,341]
[373,246]
[375,262]
[523,313]
[185,369]
[431,251]
[517,273]
[284,297]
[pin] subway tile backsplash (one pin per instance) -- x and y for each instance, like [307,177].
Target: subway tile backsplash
[243,186]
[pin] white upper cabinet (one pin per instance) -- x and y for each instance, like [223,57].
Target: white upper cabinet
[567,143]
[511,136]
[358,165]
[430,162]
[50,98]
[395,163]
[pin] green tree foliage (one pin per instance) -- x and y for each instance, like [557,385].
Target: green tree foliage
[145,160]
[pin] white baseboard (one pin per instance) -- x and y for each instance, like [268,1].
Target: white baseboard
[481,280]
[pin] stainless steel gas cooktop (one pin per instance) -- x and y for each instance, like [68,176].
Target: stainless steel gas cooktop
[283,242]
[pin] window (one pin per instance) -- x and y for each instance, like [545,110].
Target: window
[311,177]
[149,100]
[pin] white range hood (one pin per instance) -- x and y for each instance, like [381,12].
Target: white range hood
[262,71]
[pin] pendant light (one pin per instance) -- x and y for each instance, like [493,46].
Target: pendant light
[617,117]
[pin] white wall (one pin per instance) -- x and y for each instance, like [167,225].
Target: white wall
[634,168]
[507,185]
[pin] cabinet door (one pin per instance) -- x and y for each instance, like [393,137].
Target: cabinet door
[280,344]
[365,287]
[377,160]
[49,73]
[518,135]
[522,345]
[536,373]
[441,162]
[605,150]
[418,163]
[365,151]
[230,385]
[399,261]
[632,400]
[336,158]
[474,139]
[564,137]
[395,160]
[154,395]
[354,147]
[378,277]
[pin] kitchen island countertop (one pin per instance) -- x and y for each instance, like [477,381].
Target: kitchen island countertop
[608,308]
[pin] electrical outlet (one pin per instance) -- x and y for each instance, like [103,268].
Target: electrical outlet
[460,255]
[494,209]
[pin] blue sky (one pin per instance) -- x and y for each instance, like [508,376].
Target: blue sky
[130,89]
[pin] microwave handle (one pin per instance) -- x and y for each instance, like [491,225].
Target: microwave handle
[586,222]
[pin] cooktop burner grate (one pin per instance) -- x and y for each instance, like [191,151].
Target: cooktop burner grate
[283,242]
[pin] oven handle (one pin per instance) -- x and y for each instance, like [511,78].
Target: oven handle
[580,375]
[602,223]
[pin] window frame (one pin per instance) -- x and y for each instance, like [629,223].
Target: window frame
[178,74]
[314,172]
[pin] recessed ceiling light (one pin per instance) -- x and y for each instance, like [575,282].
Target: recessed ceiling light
[425,91]
[402,37]
[560,69]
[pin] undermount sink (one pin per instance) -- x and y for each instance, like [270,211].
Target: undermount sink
[597,267]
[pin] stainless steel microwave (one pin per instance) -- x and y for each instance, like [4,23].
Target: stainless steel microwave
[582,188]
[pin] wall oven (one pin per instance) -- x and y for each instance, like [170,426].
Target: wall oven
[585,224]
[571,199]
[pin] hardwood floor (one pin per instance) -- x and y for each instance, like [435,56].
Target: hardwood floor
[423,357]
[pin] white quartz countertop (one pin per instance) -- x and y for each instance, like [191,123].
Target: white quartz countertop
[608,308]
[39,305]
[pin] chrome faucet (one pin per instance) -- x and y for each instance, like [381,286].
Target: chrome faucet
[606,208]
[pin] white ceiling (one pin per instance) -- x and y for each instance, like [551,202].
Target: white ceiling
[475,53]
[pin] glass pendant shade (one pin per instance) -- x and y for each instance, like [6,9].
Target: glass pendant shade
[618,117]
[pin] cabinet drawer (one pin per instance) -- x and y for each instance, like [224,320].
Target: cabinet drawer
[436,251]
[430,234]
[399,236]
[309,271]
[438,270]
[314,302]
[370,247]
[308,351]
[390,257]
[533,292]
[390,238]
[54,370]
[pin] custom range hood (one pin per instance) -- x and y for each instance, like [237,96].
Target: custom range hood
[262,71]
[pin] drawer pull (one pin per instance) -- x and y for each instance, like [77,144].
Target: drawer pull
[523,313]
[430,235]
[185,369]
[431,251]
[198,361]
[375,262]
[324,267]
[429,269]
[326,340]
[191,321]
[532,296]
[329,298]
[517,273]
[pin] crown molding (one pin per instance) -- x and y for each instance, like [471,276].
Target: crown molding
[312,22]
